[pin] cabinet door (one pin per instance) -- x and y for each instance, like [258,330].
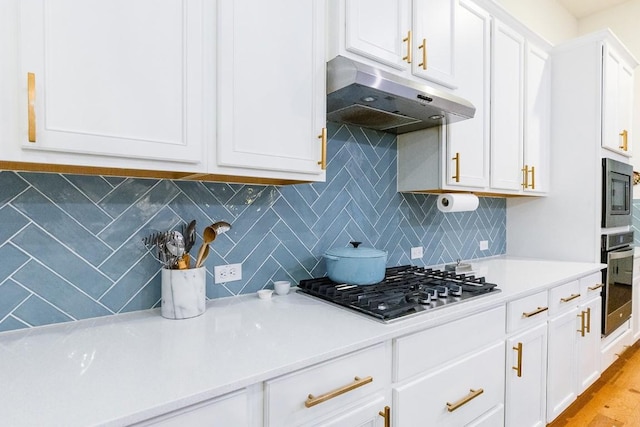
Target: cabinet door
[617,102]
[434,40]
[589,343]
[377,29]
[364,415]
[561,363]
[526,385]
[271,85]
[506,107]
[537,119]
[467,160]
[114,78]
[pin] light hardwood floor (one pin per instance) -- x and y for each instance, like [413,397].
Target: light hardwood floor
[613,401]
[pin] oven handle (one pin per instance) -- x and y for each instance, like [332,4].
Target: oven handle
[626,253]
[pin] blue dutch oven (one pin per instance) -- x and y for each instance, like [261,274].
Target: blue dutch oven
[356,265]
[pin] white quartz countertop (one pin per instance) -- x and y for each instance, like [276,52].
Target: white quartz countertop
[122,369]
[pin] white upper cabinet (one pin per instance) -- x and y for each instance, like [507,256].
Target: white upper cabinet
[271,87]
[109,79]
[507,103]
[535,171]
[617,101]
[410,38]
[433,41]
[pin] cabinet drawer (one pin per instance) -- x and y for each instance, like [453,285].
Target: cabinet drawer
[591,286]
[527,311]
[286,396]
[454,395]
[564,297]
[430,348]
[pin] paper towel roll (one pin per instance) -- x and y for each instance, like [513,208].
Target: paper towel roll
[457,202]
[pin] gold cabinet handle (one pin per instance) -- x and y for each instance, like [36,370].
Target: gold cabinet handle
[624,134]
[357,382]
[468,398]
[536,311]
[518,367]
[624,349]
[582,324]
[588,320]
[423,46]
[533,177]
[31,105]
[572,297]
[408,41]
[323,156]
[525,177]
[596,287]
[456,158]
[386,414]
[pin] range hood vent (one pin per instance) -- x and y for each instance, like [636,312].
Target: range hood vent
[361,95]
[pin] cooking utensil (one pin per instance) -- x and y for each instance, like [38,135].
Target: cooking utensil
[356,265]
[189,234]
[208,236]
[221,227]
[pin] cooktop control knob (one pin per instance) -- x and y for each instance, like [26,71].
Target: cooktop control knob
[442,291]
[455,290]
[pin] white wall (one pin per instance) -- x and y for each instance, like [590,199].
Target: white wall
[624,21]
[546,17]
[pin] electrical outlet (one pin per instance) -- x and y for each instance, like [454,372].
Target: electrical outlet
[417,252]
[227,273]
[484,245]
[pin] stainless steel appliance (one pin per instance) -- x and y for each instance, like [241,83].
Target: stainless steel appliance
[617,179]
[405,291]
[361,95]
[618,280]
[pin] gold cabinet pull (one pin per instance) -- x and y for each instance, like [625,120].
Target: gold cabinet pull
[456,158]
[533,177]
[469,397]
[323,155]
[582,324]
[31,105]
[386,414]
[536,311]
[572,297]
[423,46]
[588,320]
[596,287]
[624,134]
[408,41]
[357,382]
[624,349]
[525,177]
[518,367]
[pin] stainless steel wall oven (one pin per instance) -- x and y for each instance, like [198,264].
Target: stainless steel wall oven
[617,253]
[617,179]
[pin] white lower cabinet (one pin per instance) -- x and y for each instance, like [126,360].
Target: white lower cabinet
[443,381]
[341,392]
[228,410]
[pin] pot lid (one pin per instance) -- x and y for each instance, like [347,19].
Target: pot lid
[356,251]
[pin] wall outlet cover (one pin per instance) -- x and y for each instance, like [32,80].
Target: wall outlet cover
[227,273]
[417,252]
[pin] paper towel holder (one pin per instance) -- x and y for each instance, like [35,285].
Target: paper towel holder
[457,202]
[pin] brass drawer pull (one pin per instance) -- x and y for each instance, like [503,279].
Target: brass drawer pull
[423,46]
[588,320]
[596,287]
[358,382]
[625,135]
[536,311]
[31,105]
[525,177]
[456,158]
[533,177]
[386,414]
[518,367]
[469,397]
[323,155]
[408,40]
[572,297]
[582,324]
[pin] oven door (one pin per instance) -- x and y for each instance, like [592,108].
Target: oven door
[616,197]
[617,292]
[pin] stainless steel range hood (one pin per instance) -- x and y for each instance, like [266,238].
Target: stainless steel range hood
[361,95]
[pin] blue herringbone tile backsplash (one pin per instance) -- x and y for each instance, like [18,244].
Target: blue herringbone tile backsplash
[71,245]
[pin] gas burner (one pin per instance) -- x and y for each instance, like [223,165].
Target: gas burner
[406,290]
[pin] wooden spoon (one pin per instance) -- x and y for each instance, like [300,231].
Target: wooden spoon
[208,236]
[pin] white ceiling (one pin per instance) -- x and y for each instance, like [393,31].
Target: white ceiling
[582,8]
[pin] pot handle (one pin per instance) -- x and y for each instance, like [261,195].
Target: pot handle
[331,257]
[355,244]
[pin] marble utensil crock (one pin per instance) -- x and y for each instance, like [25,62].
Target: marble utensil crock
[183,293]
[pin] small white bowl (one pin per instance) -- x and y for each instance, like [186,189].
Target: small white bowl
[282,287]
[265,293]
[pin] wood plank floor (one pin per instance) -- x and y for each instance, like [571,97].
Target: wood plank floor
[613,401]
